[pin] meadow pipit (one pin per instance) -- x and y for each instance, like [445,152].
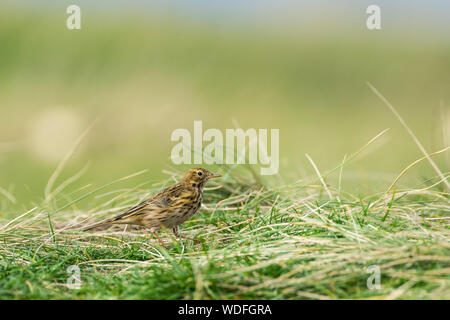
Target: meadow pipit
[168,208]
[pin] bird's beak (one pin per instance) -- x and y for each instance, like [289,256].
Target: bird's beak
[213,175]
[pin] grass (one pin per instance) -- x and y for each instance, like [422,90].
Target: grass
[257,242]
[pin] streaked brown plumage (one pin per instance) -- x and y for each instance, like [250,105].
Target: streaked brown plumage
[169,207]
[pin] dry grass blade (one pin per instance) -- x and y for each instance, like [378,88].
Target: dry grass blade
[17,218]
[62,163]
[320,176]
[413,136]
[8,195]
[413,164]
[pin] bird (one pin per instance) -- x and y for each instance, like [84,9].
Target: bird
[168,208]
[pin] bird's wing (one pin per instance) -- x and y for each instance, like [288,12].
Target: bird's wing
[162,200]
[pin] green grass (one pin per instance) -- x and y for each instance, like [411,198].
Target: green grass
[258,241]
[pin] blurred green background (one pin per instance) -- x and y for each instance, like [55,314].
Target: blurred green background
[144,70]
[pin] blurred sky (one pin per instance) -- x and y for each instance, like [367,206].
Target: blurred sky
[406,14]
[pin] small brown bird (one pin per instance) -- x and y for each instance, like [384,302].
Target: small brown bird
[168,208]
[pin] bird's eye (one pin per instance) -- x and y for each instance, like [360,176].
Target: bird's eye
[199,173]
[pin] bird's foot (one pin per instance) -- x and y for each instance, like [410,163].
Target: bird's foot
[159,239]
[192,239]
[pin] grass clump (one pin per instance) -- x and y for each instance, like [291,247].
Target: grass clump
[256,242]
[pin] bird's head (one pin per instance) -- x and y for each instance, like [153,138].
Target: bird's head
[197,177]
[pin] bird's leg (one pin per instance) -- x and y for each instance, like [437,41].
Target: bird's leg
[192,239]
[176,233]
[162,242]
[156,236]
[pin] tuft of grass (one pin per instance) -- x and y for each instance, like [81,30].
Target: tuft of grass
[257,241]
